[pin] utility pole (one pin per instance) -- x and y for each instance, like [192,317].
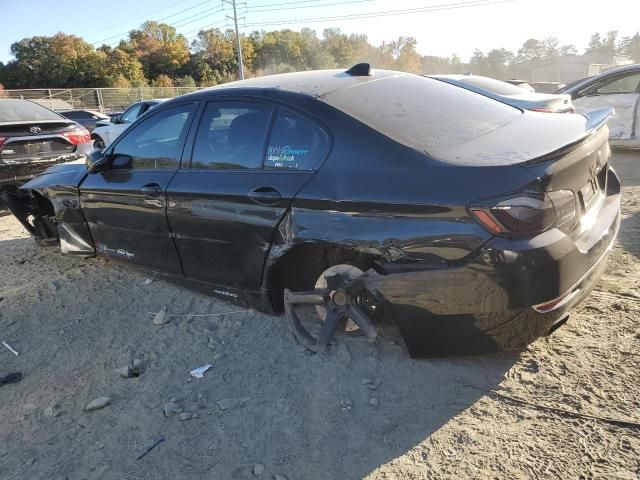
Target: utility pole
[238,45]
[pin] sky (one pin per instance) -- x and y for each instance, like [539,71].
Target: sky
[441,27]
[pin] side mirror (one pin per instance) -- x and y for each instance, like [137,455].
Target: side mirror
[96,161]
[115,119]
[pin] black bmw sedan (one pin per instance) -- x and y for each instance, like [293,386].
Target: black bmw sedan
[472,224]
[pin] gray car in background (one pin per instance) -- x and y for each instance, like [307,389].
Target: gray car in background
[87,118]
[510,94]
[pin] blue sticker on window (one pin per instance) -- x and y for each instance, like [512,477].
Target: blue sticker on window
[285,156]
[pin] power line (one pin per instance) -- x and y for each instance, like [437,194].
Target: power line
[146,16]
[387,13]
[219,22]
[347,2]
[165,18]
[196,19]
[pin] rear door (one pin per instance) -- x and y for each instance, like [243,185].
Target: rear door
[125,205]
[248,162]
[621,92]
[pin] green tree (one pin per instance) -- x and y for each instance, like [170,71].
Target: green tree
[630,46]
[604,46]
[158,47]
[50,62]
[121,64]
[186,81]
[531,49]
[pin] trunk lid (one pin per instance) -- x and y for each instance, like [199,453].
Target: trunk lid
[27,142]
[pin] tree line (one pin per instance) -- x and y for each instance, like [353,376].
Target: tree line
[156,55]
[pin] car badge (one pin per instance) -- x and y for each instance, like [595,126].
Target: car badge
[35,130]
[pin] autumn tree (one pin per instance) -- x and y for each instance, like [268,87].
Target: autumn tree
[121,66]
[158,47]
[58,61]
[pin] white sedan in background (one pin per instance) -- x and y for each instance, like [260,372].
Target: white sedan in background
[107,131]
[618,88]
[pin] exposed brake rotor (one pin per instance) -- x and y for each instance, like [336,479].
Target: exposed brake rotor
[337,299]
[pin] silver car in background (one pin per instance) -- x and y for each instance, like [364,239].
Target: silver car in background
[618,88]
[510,94]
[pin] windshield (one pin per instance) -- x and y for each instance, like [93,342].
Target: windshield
[421,112]
[24,111]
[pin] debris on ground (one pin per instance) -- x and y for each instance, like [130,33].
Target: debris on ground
[10,348]
[132,370]
[258,469]
[171,408]
[98,403]
[199,372]
[154,445]
[161,318]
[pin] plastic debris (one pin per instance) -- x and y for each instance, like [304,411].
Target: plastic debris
[10,349]
[199,372]
[155,444]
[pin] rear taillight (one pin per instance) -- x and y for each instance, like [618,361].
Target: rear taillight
[2,140]
[527,214]
[78,136]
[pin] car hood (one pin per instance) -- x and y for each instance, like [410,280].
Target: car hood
[531,136]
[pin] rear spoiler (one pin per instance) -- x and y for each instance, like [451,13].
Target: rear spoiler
[597,119]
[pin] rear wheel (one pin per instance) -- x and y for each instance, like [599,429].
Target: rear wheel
[341,303]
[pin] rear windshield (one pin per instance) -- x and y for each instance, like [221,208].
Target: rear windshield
[420,112]
[495,86]
[24,111]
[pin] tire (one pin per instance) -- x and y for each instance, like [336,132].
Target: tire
[98,143]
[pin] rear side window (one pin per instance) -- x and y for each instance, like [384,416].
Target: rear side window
[231,135]
[295,143]
[24,111]
[420,112]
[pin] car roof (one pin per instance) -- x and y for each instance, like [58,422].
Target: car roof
[315,83]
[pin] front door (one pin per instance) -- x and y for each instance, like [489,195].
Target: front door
[125,204]
[623,94]
[248,162]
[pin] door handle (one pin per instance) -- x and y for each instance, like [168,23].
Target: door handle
[265,196]
[152,189]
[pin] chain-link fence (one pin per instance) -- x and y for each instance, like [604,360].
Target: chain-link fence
[100,99]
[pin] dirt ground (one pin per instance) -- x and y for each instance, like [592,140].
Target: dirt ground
[357,412]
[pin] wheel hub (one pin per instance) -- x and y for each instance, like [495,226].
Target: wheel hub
[335,302]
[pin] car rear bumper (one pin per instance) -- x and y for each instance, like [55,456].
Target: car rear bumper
[511,293]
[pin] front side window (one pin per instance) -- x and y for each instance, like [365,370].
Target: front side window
[130,115]
[295,143]
[155,142]
[628,84]
[231,135]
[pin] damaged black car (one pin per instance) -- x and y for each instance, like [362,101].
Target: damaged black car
[361,195]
